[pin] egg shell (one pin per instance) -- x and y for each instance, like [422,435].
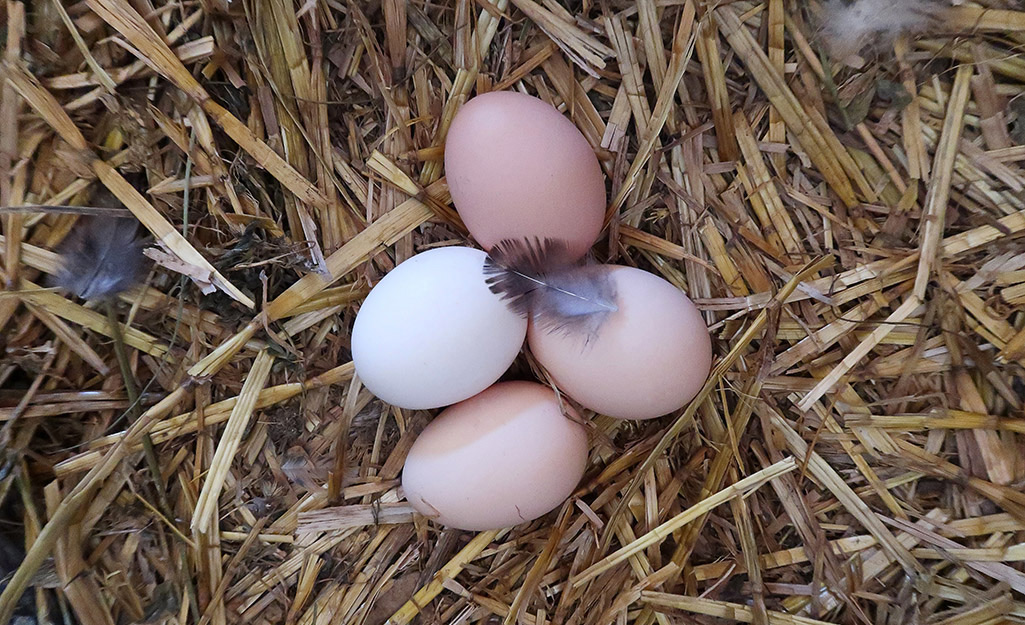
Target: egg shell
[431,333]
[518,168]
[500,458]
[648,358]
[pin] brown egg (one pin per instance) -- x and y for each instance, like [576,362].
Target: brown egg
[498,459]
[518,168]
[648,358]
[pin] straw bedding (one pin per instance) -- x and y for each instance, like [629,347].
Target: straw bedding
[848,220]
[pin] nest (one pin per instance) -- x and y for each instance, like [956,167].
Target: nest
[849,224]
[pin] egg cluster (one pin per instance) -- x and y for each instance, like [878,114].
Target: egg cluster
[443,327]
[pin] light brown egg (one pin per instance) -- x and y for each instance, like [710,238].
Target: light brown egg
[648,358]
[498,459]
[518,168]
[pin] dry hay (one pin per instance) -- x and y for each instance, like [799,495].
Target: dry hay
[851,228]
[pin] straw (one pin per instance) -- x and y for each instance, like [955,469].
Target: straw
[850,230]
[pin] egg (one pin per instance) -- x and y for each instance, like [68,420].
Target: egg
[431,333]
[648,358]
[500,458]
[519,169]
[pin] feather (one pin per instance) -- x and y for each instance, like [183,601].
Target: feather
[850,26]
[540,280]
[101,258]
[300,469]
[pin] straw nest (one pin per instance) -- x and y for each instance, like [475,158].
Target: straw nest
[849,222]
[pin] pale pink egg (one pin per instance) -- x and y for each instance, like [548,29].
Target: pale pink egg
[648,358]
[518,168]
[503,457]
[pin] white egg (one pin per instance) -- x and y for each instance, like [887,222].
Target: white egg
[431,333]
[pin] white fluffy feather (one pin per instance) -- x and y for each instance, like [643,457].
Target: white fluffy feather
[848,27]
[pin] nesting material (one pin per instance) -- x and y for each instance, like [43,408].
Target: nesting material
[851,233]
[540,281]
[101,258]
[851,26]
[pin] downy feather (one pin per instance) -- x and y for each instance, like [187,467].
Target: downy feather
[849,26]
[101,258]
[539,279]
[300,469]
